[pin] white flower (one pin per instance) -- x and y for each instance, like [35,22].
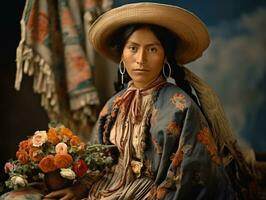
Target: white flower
[67,173]
[18,181]
[39,138]
[61,148]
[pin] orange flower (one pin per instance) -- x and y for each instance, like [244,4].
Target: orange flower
[53,136]
[63,160]
[66,132]
[47,164]
[75,141]
[22,156]
[24,145]
[34,154]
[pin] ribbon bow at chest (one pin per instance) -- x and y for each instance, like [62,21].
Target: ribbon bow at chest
[131,100]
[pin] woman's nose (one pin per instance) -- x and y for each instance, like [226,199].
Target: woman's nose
[141,57]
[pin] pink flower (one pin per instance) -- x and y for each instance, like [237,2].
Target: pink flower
[61,148]
[9,167]
[39,138]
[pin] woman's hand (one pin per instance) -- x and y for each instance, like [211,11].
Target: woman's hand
[75,192]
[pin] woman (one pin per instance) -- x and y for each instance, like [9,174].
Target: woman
[172,143]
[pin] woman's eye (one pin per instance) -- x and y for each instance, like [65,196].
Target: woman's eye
[132,48]
[152,49]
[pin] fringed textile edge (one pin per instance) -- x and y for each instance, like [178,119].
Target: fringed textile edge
[44,84]
[87,98]
[43,81]
[32,64]
[84,106]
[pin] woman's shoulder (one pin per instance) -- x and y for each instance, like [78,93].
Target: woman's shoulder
[175,95]
[112,99]
[109,103]
[171,88]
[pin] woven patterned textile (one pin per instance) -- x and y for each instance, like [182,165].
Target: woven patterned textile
[55,50]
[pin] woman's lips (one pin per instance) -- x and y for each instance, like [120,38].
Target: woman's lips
[140,70]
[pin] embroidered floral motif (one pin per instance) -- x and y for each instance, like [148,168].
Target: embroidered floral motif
[173,128]
[67,18]
[186,149]
[170,174]
[164,187]
[177,178]
[179,100]
[152,193]
[205,138]
[157,146]
[177,157]
[39,19]
[161,192]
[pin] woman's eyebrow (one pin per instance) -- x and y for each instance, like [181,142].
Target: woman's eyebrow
[149,44]
[132,43]
[154,44]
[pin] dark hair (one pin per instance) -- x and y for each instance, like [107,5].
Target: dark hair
[169,42]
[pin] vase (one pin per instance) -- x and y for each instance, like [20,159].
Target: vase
[54,181]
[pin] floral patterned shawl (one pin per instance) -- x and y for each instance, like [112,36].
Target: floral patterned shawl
[179,150]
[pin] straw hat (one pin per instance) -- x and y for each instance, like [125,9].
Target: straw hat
[191,31]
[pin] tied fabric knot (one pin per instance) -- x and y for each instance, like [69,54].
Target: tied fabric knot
[130,102]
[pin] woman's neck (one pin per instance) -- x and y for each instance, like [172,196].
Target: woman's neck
[143,86]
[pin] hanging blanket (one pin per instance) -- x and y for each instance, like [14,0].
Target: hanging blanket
[55,50]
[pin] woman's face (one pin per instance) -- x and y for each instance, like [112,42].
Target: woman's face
[143,56]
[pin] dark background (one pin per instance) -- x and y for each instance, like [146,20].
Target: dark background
[21,112]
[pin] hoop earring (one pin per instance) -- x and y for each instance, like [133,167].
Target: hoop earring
[169,67]
[122,71]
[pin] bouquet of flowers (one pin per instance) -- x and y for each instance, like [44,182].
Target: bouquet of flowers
[57,151]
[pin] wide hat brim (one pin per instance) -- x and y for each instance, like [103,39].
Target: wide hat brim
[192,34]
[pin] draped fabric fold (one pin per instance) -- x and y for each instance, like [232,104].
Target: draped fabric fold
[55,50]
